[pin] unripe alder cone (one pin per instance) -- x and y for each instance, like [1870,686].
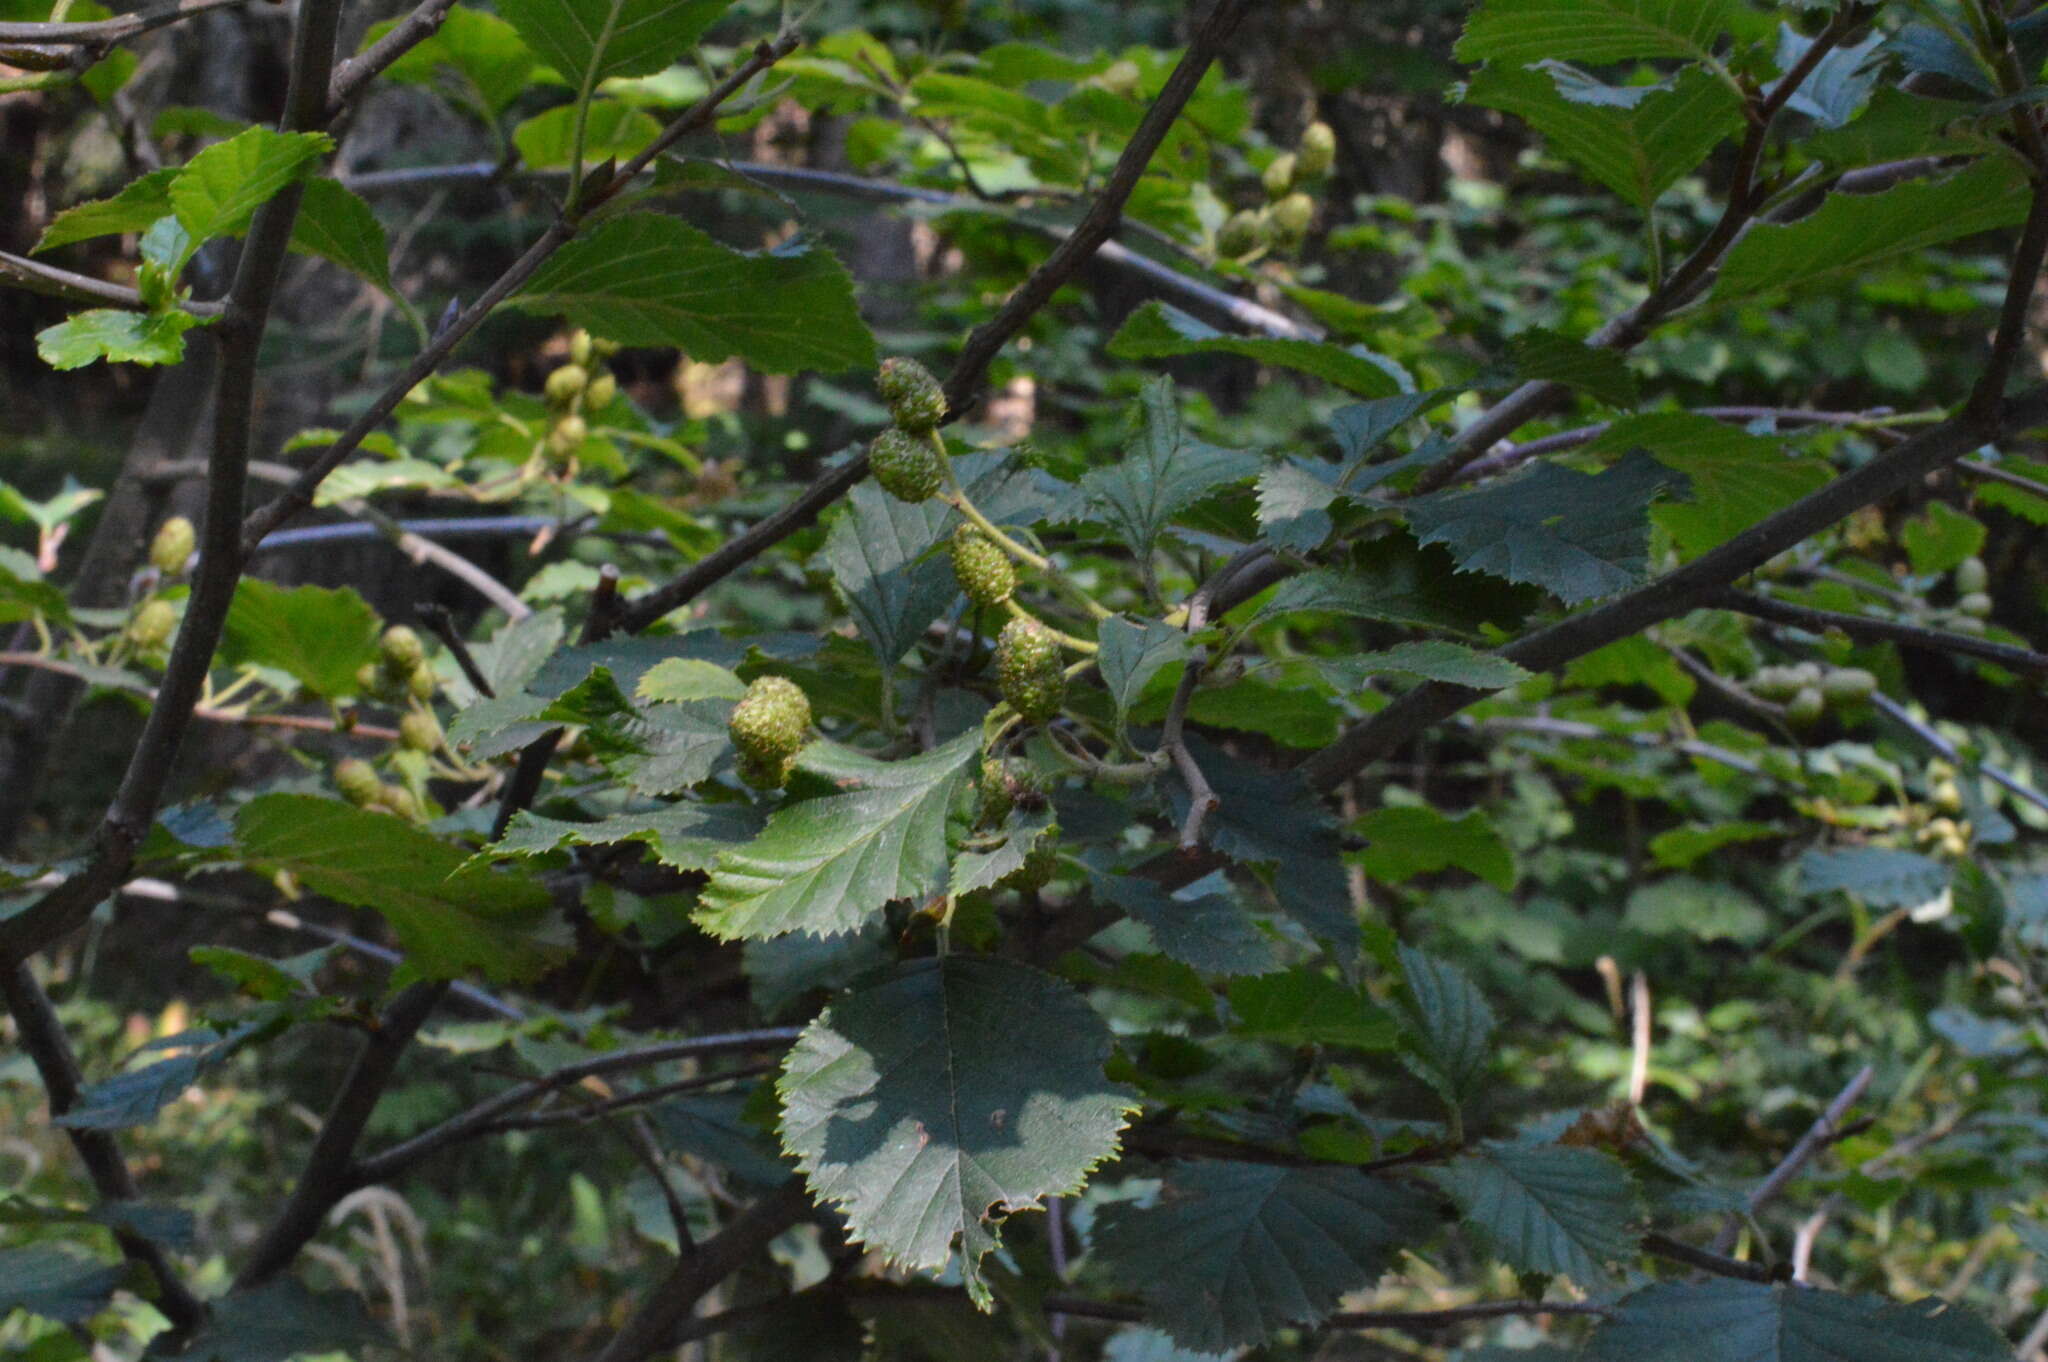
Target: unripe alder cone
[1844,685]
[420,731]
[1028,670]
[1293,216]
[401,801]
[422,683]
[995,793]
[1805,708]
[906,465]
[603,388]
[568,435]
[173,545]
[1972,576]
[981,567]
[1279,176]
[1774,683]
[401,650]
[1240,234]
[1975,604]
[1318,150]
[151,624]
[580,348]
[916,401]
[358,781]
[771,721]
[1120,77]
[566,384]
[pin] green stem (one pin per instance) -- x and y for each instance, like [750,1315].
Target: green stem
[956,497]
[1079,645]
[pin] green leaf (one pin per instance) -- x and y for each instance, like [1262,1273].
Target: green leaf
[1882,877]
[675,679]
[648,280]
[1680,847]
[1161,331]
[1163,471]
[1733,479]
[1634,661]
[984,869]
[1580,536]
[1294,716]
[827,865]
[684,835]
[335,224]
[1896,126]
[1406,840]
[479,49]
[141,202]
[282,1320]
[320,635]
[1232,1252]
[1597,30]
[1941,538]
[932,1105]
[547,141]
[1456,664]
[221,188]
[1133,652]
[1450,1031]
[1637,152]
[1838,84]
[134,1097]
[1546,1207]
[1704,910]
[1727,1321]
[588,41]
[1852,233]
[1295,496]
[1542,355]
[1202,925]
[117,337]
[449,917]
[45,1280]
[878,555]
[1305,1006]
[1389,580]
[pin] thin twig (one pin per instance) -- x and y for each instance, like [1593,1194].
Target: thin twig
[102,33]
[442,622]
[2023,660]
[36,277]
[1715,1264]
[1970,468]
[352,75]
[468,992]
[300,723]
[1948,752]
[1817,1137]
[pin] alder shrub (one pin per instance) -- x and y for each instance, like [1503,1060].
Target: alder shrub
[1444,777]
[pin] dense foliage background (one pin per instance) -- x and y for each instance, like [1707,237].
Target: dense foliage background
[1521,842]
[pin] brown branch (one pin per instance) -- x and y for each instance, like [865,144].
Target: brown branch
[240,337]
[1818,1136]
[300,495]
[329,1172]
[34,276]
[1865,629]
[1686,588]
[1719,1265]
[105,32]
[352,75]
[304,723]
[2011,335]
[42,1038]
[988,339]
[666,1307]
[1970,468]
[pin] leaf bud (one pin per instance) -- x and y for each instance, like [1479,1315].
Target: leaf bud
[580,347]
[603,388]
[1240,234]
[1293,216]
[152,624]
[1972,576]
[358,782]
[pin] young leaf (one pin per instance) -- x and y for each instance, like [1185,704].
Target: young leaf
[1727,1321]
[1133,652]
[643,279]
[588,41]
[221,188]
[141,202]
[1163,472]
[1160,330]
[1851,233]
[930,1106]
[825,866]
[321,636]
[1511,31]
[117,337]
[481,49]
[1547,1207]
[1577,535]
[1233,1252]
[1390,580]
[450,917]
[686,836]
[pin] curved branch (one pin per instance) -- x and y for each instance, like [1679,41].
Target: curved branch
[104,32]
[34,276]
[2024,660]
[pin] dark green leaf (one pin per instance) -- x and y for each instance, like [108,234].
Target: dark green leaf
[1163,471]
[135,1097]
[878,555]
[1726,1321]
[648,280]
[1450,1026]
[1580,536]
[1233,1252]
[1546,1207]
[335,224]
[1202,925]
[449,916]
[588,41]
[1406,840]
[1883,877]
[687,836]
[1304,1006]
[43,1279]
[931,1106]
[1597,30]
[1733,479]
[1542,355]
[283,1320]
[1133,652]
[480,50]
